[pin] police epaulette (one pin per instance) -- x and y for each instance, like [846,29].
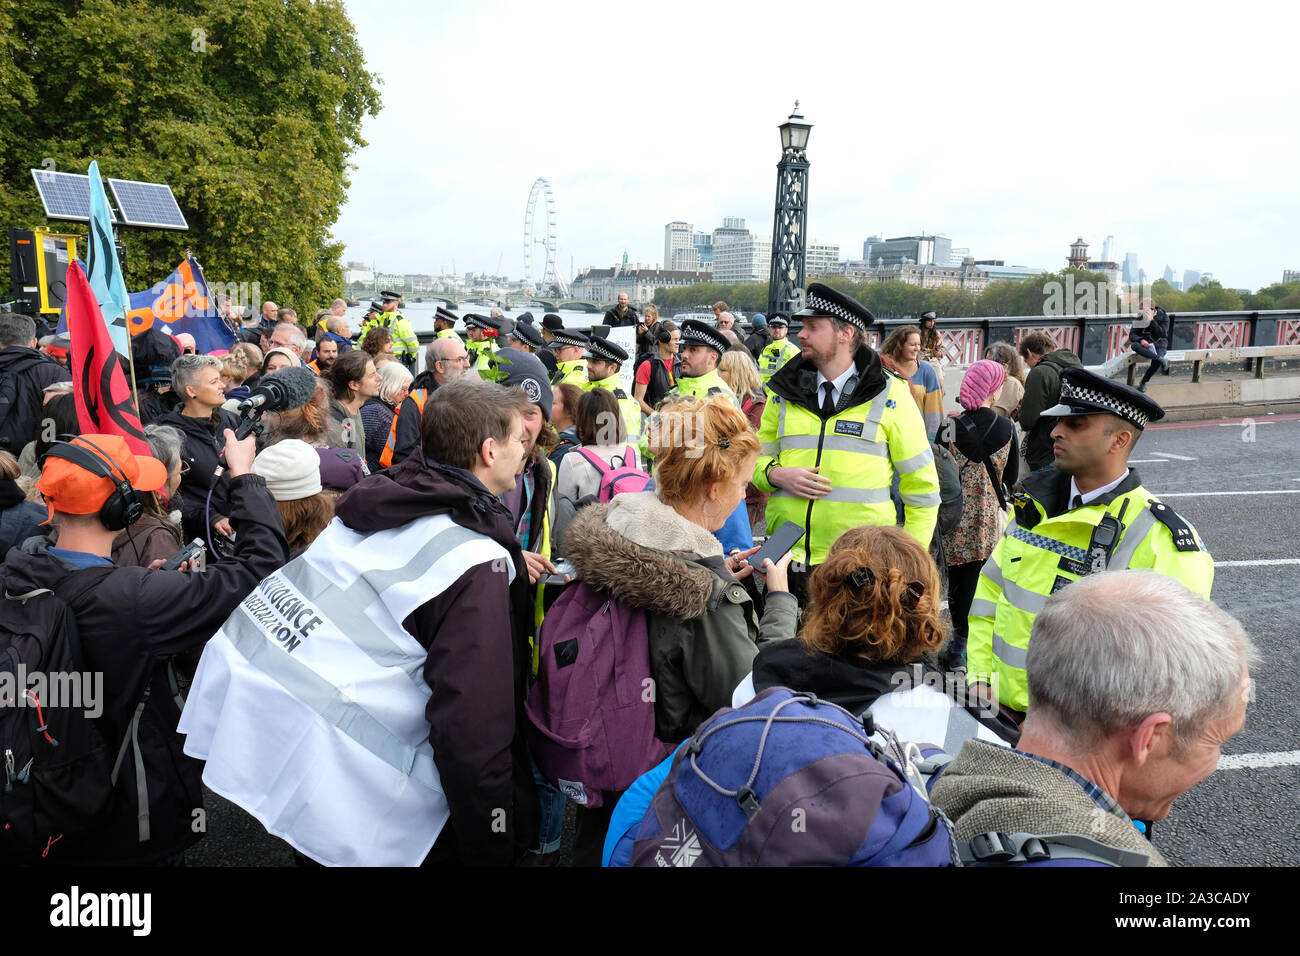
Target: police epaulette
[897,375]
[1184,537]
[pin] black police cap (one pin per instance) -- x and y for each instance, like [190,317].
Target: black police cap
[1087,393]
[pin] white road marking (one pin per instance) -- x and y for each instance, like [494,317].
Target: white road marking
[1206,494]
[1262,562]
[1284,758]
[1241,424]
[1169,454]
[1154,461]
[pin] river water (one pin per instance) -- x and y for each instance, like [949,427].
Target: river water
[421,316]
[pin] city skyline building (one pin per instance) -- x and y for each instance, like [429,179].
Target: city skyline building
[733,227]
[901,250]
[743,258]
[678,237]
[1131,270]
[1190,278]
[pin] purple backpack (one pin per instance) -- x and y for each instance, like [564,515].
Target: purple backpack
[616,481]
[592,709]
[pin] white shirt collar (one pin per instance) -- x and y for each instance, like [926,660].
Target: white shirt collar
[1096,492]
[838,383]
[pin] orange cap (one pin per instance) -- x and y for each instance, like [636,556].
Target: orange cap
[69,488]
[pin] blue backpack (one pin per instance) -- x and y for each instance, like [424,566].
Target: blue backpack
[788,780]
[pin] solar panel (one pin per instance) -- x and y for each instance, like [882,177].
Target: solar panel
[65,195]
[147,205]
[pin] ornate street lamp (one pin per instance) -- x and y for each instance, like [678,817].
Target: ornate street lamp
[790,226]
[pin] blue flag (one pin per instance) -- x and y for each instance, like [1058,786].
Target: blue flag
[103,269]
[180,303]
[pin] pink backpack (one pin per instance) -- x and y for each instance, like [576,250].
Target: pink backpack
[616,481]
[591,713]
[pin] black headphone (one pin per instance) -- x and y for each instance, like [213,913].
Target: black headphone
[124,506]
[664,336]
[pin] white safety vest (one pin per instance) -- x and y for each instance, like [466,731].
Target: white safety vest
[309,704]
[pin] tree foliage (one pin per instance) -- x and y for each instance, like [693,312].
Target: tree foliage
[248,109]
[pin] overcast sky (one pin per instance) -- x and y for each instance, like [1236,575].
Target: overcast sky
[1010,128]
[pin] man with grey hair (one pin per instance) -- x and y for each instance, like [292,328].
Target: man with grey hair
[24,374]
[286,335]
[1135,683]
[445,360]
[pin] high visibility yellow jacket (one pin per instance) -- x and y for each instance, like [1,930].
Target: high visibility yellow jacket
[876,431]
[627,405]
[570,373]
[404,341]
[482,354]
[1046,546]
[774,356]
[447,334]
[710,383]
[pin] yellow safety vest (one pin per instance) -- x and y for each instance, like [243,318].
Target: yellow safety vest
[483,353]
[776,354]
[447,334]
[404,340]
[711,383]
[629,408]
[570,373]
[1038,555]
[858,449]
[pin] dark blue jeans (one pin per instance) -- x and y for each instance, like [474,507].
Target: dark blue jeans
[1154,352]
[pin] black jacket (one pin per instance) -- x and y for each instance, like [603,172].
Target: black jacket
[34,371]
[477,666]
[1156,332]
[614,320]
[851,682]
[130,625]
[660,384]
[796,381]
[408,417]
[204,443]
[758,340]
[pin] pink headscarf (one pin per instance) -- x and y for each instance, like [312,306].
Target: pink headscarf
[981,380]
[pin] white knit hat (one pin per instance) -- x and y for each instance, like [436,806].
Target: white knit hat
[291,468]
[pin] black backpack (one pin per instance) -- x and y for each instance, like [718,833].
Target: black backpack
[17,413]
[59,772]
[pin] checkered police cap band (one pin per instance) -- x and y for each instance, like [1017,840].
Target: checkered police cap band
[565,337]
[1074,394]
[601,350]
[815,301]
[701,337]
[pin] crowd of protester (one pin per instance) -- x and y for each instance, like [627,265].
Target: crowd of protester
[480,490]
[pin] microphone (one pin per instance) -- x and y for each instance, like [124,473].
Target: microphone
[281,390]
[278,392]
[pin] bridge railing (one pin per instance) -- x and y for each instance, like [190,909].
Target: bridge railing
[1097,339]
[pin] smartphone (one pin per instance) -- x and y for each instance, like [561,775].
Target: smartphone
[777,545]
[562,567]
[192,551]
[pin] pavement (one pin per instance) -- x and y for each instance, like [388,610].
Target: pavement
[1238,482]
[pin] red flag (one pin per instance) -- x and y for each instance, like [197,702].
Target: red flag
[105,402]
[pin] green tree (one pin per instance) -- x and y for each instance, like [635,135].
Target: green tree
[249,109]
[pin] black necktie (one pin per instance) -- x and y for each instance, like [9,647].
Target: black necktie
[1076,502]
[828,406]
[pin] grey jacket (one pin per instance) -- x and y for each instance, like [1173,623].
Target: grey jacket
[993,788]
[704,628]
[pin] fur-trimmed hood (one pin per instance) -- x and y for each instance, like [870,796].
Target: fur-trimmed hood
[647,555]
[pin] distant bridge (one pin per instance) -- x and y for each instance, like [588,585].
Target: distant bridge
[516,300]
